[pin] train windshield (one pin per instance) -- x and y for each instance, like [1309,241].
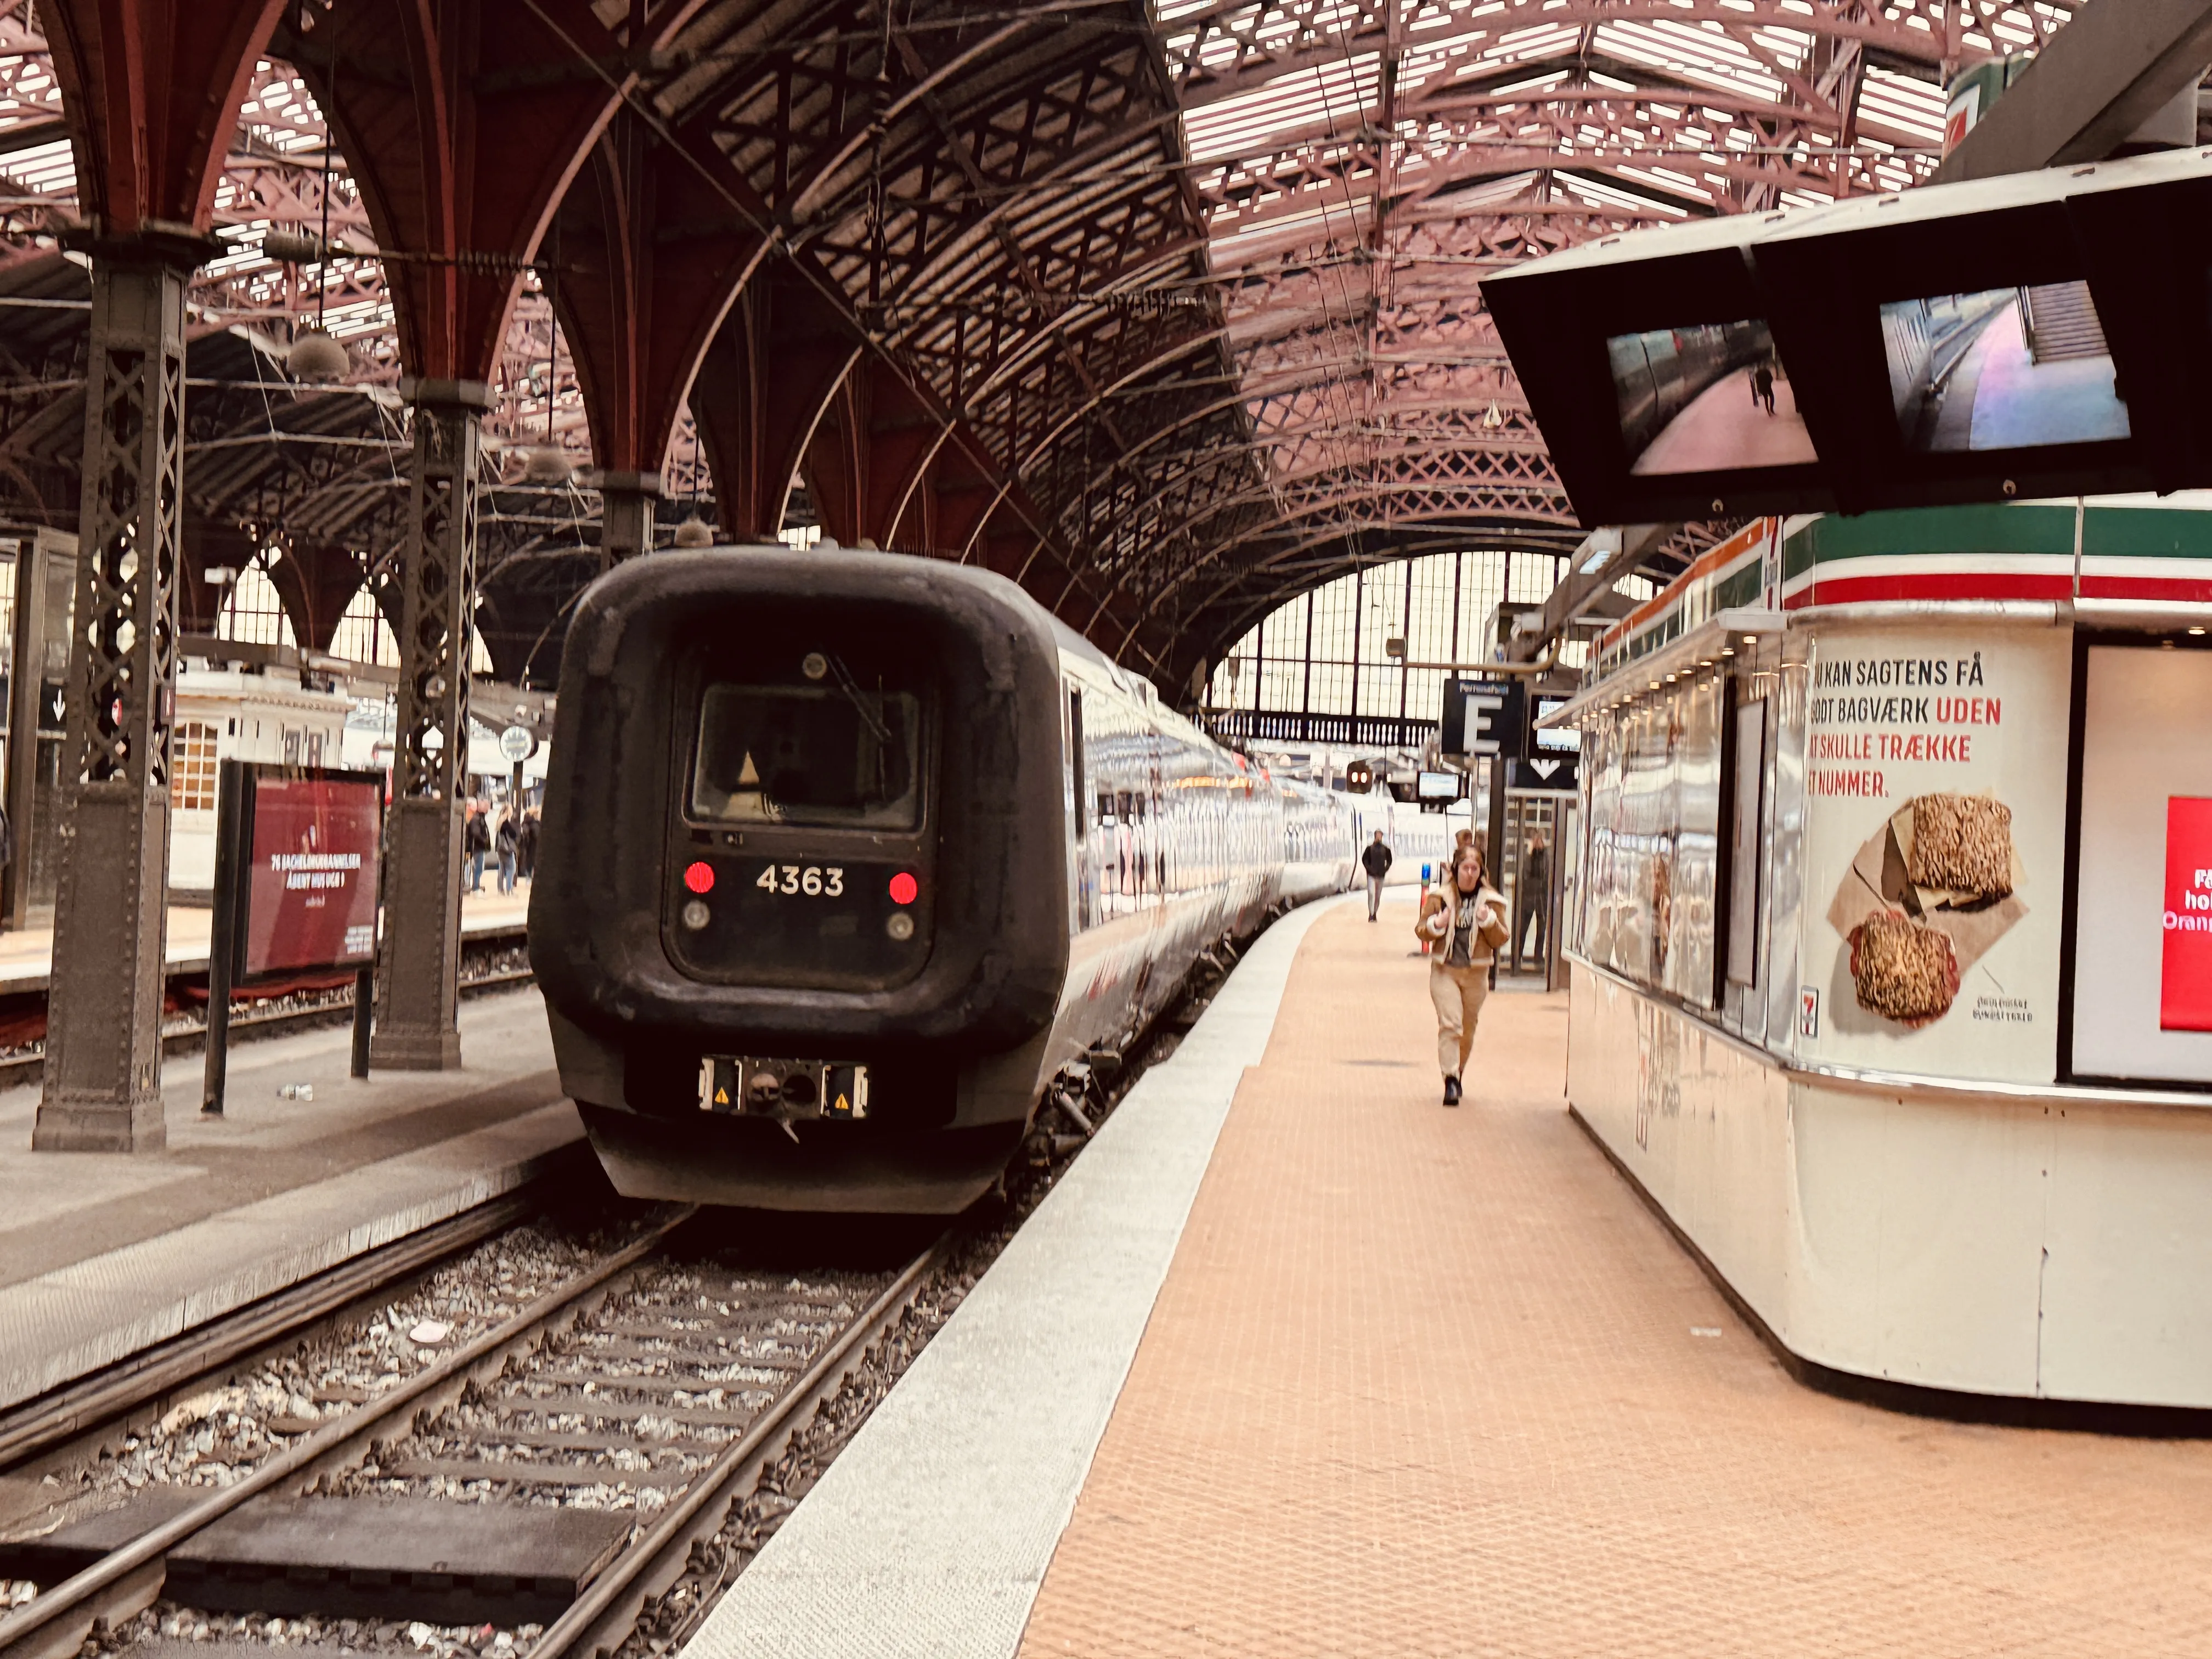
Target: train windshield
[837,756]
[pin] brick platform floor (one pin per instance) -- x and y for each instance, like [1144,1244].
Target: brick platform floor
[1432,1382]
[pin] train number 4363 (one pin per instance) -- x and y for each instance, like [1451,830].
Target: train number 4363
[810,881]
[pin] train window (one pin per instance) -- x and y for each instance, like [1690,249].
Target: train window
[1749,760]
[1075,763]
[838,756]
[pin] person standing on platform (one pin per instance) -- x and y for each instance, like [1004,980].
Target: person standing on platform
[1375,859]
[1762,386]
[1535,897]
[476,842]
[508,839]
[1463,924]
[525,845]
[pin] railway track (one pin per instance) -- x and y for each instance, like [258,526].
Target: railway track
[609,1457]
[651,1390]
[487,966]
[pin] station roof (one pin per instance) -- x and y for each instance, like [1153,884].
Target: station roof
[1191,287]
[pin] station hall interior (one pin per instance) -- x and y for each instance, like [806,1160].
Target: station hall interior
[1105,827]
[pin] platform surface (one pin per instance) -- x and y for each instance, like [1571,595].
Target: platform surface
[1424,1381]
[26,955]
[104,1253]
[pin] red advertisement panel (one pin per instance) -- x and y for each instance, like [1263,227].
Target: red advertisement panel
[313,883]
[2184,999]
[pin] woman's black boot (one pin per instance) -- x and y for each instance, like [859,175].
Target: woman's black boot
[1451,1091]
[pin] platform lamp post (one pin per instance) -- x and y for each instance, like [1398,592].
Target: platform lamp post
[102,1087]
[418,996]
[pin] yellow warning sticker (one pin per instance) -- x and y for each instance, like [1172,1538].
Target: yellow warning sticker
[722,1096]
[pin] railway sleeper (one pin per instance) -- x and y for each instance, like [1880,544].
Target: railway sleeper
[356,1557]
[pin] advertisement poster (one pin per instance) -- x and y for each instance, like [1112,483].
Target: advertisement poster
[2143,936]
[2185,987]
[313,882]
[1936,789]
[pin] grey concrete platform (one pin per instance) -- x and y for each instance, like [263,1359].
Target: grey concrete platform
[102,1254]
[932,1531]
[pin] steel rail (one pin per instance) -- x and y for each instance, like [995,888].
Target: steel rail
[609,1607]
[46,1420]
[127,1580]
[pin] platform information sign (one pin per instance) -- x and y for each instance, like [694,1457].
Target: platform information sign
[1485,717]
[312,897]
[295,890]
[2185,990]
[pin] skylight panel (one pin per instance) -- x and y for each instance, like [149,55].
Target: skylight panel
[1699,58]
[1913,107]
[1600,194]
[1336,94]
[1544,82]
[45,169]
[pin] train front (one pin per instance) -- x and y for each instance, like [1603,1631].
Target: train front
[802,882]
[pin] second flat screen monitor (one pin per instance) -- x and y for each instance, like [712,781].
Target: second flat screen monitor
[1705,398]
[2003,368]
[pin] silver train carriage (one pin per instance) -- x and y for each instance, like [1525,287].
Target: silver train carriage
[844,858]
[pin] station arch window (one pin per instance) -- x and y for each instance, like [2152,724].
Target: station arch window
[363,635]
[1329,651]
[252,612]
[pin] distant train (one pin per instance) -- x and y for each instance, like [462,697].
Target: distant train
[844,860]
[1656,375]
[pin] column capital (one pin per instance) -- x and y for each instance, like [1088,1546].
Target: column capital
[640,483]
[149,242]
[450,394]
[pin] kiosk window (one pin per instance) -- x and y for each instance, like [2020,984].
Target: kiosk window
[2143,898]
[1745,841]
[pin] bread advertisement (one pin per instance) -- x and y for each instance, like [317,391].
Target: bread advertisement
[1935,789]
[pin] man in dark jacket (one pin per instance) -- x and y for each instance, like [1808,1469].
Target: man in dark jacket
[1375,859]
[1536,895]
[507,839]
[476,842]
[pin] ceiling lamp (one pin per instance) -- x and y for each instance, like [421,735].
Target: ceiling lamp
[547,463]
[694,533]
[294,247]
[316,358]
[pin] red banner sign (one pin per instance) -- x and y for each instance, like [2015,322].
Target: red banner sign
[2185,993]
[313,881]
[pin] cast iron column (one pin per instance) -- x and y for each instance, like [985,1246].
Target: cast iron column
[626,502]
[418,992]
[103,1072]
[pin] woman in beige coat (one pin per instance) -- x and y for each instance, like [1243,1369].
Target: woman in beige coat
[1453,919]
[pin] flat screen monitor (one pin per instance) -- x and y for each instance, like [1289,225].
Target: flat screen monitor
[1705,398]
[2001,368]
[1560,739]
[1438,785]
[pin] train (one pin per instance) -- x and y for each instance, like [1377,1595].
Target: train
[847,860]
[1656,375]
